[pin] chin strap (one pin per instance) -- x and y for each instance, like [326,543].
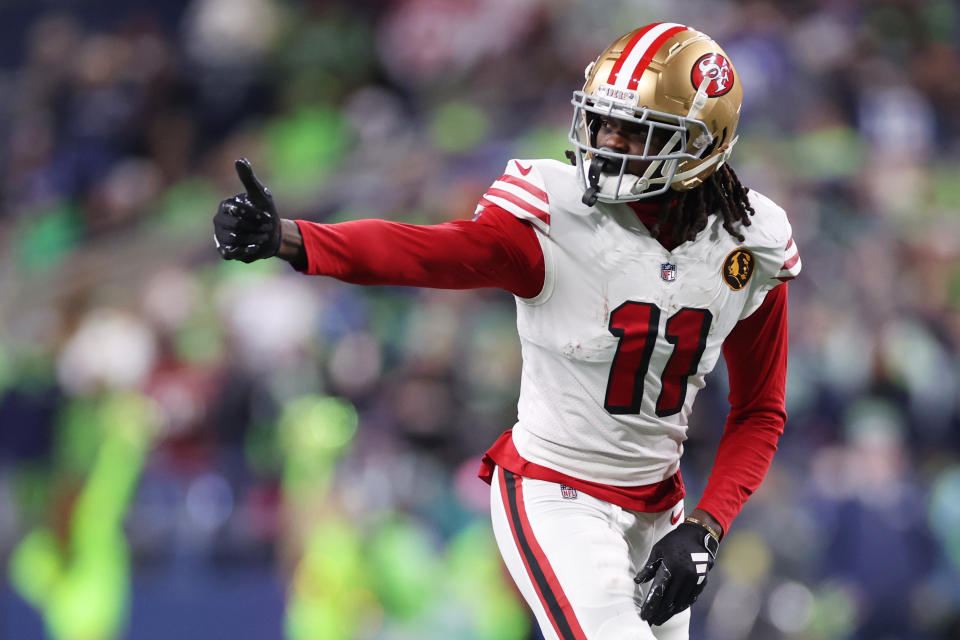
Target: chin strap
[597,165]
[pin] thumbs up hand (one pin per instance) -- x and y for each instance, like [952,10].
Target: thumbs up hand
[246,226]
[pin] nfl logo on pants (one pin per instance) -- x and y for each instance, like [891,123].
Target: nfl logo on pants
[668,272]
[568,492]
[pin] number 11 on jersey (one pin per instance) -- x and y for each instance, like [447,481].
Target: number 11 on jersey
[637,325]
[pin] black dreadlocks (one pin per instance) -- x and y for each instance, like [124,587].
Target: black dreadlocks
[720,193]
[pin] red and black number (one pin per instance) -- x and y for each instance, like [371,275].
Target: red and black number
[636,324]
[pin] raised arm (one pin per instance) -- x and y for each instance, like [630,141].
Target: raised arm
[495,249]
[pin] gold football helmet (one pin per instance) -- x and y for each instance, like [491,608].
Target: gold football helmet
[672,79]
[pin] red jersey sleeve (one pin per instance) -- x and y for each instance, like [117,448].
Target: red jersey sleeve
[495,249]
[756,357]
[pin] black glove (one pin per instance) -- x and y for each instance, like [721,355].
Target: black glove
[678,565]
[247,226]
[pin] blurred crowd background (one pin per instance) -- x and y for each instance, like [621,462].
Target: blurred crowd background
[193,449]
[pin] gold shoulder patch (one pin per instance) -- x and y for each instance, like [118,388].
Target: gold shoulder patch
[737,268]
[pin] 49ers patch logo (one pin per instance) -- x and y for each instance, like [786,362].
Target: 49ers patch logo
[715,67]
[737,268]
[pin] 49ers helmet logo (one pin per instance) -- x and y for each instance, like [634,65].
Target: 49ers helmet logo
[715,67]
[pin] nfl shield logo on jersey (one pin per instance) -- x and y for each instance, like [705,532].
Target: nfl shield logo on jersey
[568,492]
[668,272]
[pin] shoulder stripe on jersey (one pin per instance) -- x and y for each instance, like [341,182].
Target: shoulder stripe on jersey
[791,265]
[533,190]
[788,273]
[515,204]
[791,261]
[521,193]
[639,52]
[484,203]
[541,573]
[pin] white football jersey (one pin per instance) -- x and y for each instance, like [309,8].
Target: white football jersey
[618,342]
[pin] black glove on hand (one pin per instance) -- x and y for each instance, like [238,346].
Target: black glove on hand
[247,226]
[678,565]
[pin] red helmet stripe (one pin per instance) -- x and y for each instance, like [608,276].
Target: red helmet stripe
[650,52]
[612,78]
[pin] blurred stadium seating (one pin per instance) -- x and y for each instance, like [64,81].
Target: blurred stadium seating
[167,471]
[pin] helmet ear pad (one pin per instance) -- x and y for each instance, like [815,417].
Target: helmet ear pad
[717,141]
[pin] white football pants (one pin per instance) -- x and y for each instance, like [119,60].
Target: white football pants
[574,557]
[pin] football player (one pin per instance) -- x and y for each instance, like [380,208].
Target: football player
[633,269]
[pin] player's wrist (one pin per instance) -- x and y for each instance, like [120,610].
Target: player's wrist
[707,521]
[291,244]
